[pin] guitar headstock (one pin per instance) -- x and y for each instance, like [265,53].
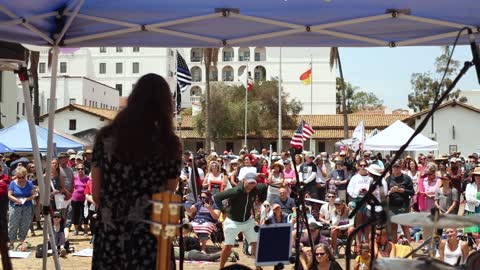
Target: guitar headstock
[165,222]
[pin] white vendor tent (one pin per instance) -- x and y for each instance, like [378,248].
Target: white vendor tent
[396,135]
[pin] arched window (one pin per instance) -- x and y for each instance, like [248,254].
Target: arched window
[196,74]
[241,70]
[195,91]
[227,74]
[260,73]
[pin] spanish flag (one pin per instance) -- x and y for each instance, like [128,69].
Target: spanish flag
[306,77]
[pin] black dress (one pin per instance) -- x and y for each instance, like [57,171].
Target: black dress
[122,239]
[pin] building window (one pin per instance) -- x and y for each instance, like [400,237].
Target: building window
[103,49]
[63,67]
[85,102]
[136,49]
[72,101]
[227,54]
[90,103]
[102,69]
[119,49]
[119,68]
[135,67]
[23,108]
[42,67]
[72,125]
[18,108]
[119,88]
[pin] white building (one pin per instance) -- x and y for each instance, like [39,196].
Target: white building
[120,67]
[9,109]
[455,127]
[74,119]
[74,90]
[117,67]
[264,64]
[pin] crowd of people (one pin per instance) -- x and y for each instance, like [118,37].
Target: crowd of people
[239,192]
[70,199]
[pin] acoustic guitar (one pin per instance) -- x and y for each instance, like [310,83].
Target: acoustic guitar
[165,223]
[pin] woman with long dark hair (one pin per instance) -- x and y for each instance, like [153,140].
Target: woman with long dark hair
[135,156]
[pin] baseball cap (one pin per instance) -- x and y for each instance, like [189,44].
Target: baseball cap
[251,177]
[63,155]
[339,201]
[275,205]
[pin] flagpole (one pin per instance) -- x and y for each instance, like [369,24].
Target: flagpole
[176,88]
[279,144]
[311,96]
[246,108]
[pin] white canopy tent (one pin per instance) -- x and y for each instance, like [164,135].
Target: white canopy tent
[396,135]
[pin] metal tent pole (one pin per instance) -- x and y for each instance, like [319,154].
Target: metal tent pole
[48,170]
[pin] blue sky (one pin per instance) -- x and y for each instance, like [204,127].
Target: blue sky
[387,71]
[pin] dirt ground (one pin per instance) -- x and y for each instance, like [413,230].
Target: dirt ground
[84,263]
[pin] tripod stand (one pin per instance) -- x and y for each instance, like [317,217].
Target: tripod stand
[48,233]
[301,214]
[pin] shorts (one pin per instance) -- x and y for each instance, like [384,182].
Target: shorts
[232,228]
[397,210]
[203,236]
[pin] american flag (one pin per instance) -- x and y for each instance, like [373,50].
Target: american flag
[303,132]
[184,77]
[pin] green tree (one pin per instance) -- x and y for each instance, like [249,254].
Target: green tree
[362,101]
[228,105]
[426,86]
[349,90]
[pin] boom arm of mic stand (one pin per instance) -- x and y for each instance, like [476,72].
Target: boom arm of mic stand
[462,72]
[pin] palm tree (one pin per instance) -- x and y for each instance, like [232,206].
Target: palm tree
[210,56]
[335,60]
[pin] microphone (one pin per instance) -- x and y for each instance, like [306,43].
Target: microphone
[474,48]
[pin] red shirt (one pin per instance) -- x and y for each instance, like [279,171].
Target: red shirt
[88,188]
[4,183]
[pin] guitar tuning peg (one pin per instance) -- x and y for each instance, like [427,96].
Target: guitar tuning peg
[157,207]
[170,230]
[156,229]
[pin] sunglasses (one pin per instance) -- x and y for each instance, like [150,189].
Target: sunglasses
[362,165]
[80,169]
[330,196]
[203,198]
[320,254]
[56,217]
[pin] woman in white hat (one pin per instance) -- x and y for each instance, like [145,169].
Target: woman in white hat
[275,181]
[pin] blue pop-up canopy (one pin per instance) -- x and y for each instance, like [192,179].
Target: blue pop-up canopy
[217,23]
[17,139]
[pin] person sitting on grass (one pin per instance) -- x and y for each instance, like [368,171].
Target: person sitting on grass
[191,243]
[58,224]
[362,261]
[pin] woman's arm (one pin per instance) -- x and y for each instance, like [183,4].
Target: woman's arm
[205,181]
[441,249]
[13,198]
[233,179]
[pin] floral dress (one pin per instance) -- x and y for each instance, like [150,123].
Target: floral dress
[123,239]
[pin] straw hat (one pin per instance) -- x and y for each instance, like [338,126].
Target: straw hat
[476,171]
[441,158]
[279,164]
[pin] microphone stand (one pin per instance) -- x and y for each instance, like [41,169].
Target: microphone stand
[301,213]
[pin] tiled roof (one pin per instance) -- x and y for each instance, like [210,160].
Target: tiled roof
[104,113]
[333,120]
